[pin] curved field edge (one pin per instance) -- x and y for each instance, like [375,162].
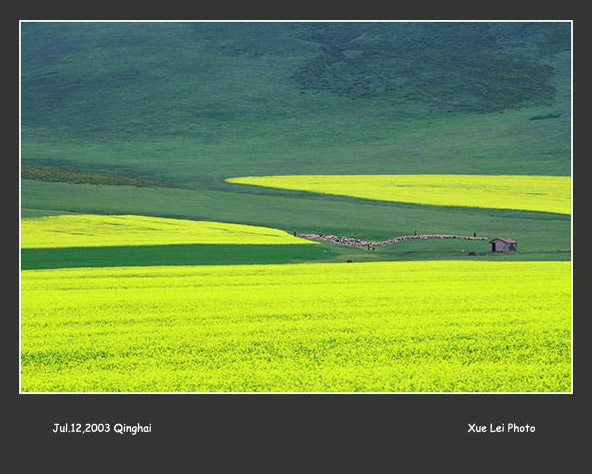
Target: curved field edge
[530,193]
[367,327]
[542,233]
[120,230]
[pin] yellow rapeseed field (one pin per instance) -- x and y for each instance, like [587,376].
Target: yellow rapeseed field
[529,193]
[104,231]
[440,326]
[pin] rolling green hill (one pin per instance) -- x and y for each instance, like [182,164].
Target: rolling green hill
[150,119]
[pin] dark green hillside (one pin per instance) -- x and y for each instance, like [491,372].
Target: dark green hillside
[381,60]
[177,101]
[183,78]
[150,118]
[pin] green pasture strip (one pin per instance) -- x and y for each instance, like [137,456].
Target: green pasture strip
[200,254]
[344,142]
[290,211]
[361,327]
[153,255]
[65,175]
[27,213]
[439,250]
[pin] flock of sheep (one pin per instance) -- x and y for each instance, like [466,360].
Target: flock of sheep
[369,243]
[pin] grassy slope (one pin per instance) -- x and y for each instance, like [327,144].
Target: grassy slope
[198,104]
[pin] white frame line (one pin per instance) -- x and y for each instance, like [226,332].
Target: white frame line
[300,21]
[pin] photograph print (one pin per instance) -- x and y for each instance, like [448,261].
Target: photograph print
[376,207]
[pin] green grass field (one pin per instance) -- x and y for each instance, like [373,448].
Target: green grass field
[368,327]
[142,255]
[145,269]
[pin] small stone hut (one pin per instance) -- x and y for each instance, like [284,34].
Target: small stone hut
[503,245]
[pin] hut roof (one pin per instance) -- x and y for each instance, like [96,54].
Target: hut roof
[508,241]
